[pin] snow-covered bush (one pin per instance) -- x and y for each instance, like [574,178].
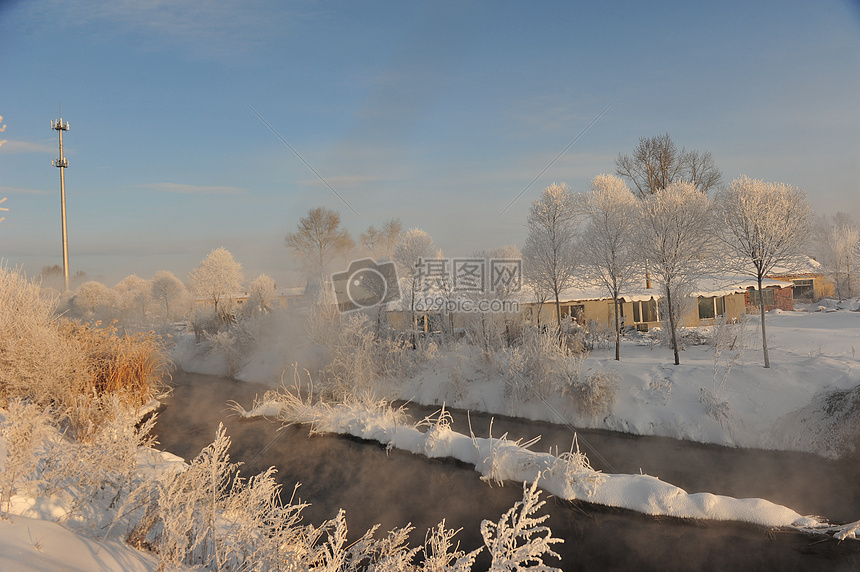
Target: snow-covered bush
[42,460]
[719,410]
[440,555]
[593,394]
[95,301]
[60,363]
[728,340]
[23,430]
[260,293]
[37,361]
[542,355]
[519,540]
[358,356]
[203,322]
[540,367]
[225,343]
[600,335]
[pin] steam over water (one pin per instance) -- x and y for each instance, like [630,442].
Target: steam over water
[395,488]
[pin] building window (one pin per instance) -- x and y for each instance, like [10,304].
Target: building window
[804,289]
[767,295]
[711,307]
[576,311]
[645,311]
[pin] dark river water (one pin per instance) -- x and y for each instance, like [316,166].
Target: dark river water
[395,488]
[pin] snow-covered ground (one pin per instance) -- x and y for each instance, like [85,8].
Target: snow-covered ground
[32,538]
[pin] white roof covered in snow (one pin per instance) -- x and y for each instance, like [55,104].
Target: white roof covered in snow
[705,286]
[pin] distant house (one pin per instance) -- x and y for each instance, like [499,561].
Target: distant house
[810,284]
[726,296]
[638,307]
[283,298]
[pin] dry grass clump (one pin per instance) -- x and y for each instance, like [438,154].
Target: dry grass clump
[131,365]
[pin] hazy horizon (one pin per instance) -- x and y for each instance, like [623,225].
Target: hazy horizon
[437,114]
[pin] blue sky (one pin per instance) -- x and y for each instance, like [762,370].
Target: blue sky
[439,114]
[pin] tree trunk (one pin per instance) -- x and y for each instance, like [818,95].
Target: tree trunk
[672,325]
[763,328]
[558,315]
[617,331]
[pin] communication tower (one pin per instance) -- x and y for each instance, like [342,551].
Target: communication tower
[62,163]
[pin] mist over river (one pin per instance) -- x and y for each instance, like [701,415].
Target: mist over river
[393,488]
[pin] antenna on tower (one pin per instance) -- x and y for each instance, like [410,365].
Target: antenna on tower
[62,163]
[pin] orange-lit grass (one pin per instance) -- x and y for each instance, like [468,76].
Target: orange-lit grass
[129,365]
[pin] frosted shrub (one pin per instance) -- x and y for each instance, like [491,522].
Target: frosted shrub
[593,394]
[46,463]
[728,340]
[519,540]
[36,360]
[456,386]
[599,334]
[224,343]
[573,336]
[541,355]
[24,429]
[440,555]
[486,331]
[203,322]
[357,355]
[104,466]
[719,410]
[574,469]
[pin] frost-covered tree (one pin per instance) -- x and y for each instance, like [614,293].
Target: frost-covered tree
[94,299]
[167,290]
[318,241]
[675,236]
[218,277]
[412,249]
[260,293]
[607,246]
[839,252]
[135,295]
[764,226]
[656,163]
[548,253]
[380,242]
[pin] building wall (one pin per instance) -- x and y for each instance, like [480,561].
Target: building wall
[597,310]
[782,298]
[821,284]
[734,308]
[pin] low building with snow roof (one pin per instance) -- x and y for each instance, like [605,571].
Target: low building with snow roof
[810,282]
[711,297]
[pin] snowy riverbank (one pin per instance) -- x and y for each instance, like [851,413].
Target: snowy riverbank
[809,400]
